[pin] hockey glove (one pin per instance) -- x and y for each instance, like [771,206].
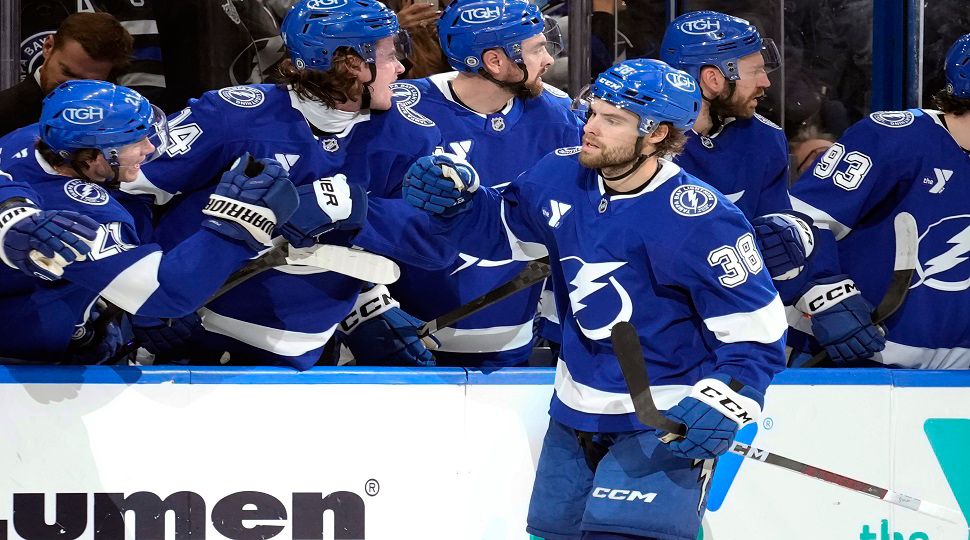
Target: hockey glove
[441,184]
[165,336]
[250,200]
[326,204]
[713,412]
[379,332]
[42,243]
[786,241]
[99,340]
[841,319]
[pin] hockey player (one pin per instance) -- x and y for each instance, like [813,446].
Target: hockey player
[495,112]
[319,124]
[892,162]
[94,135]
[631,237]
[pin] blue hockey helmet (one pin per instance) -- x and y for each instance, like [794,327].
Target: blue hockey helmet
[650,89]
[468,28]
[313,30]
[710,38]
[82,114]
[957,68]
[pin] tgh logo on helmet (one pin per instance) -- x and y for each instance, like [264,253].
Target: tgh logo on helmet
[83,116]
[681,81]
[326,4]
[701,26]
[481,15]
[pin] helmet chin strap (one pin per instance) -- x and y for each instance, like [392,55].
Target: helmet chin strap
[510,86]
[365,94]
[636,163]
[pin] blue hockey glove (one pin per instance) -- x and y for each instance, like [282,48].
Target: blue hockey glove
[165,336]
[713,412]
[379,332]
[250,200]
[786,241]
[440,184]
[841,319]
[326,204]
[42,243]
[101,337]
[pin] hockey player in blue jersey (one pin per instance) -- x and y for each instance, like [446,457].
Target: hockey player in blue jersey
[495,112]
[889,163]
[92,136]
[630,237]
[320,122]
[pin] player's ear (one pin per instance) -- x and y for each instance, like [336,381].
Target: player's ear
[48,46]
[712,80]
[493,60]
[658,134]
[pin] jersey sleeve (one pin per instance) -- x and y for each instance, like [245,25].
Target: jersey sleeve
[774,193]
[144,280]
[718,263]
[10,189]
[196,152]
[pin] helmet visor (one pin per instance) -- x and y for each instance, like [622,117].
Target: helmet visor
[554,41]
[138,153]
[770,61]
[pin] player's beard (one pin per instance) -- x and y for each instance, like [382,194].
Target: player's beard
[612,161]
[529,90]
[733,105]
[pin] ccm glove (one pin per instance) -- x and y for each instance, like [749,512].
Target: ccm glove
[441,185]
[100,338]
[713,412]
[250,200]
[379,332]
[165,336]
[42,243]
[786,241]
[326,204]
[841,319]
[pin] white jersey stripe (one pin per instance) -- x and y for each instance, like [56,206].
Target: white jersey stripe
[282,342]
[765,325]
[583,398]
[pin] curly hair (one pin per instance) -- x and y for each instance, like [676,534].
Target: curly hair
[673,143]
[337,85]
[950,104]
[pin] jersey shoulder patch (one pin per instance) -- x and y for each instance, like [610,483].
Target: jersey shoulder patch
[692,200]
[767,122]
[246,97]
[405,97]
[893,119]
[568,150]
[86,192]
[555,91]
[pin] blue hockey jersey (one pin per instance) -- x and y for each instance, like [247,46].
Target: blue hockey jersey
[892,162]
[287,314]
[677,260]
[39,317]
[500,146]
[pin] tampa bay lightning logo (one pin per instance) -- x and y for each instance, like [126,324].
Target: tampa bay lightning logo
[691,200]
[597,299]
[406,96]
[944,249]
[86,192]
[246,97]
[893,119]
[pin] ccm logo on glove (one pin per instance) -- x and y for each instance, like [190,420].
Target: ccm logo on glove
[718,395]
[220,206]
[370,304]
[822,297]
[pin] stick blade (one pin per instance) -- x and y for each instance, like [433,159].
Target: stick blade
[629,353]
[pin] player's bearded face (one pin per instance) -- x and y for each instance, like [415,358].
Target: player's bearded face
[537,61]
[609,138]
[742,102]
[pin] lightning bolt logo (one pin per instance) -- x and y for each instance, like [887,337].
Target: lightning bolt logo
[585,283]
[954,256]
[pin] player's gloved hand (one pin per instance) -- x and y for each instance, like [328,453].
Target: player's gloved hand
[250,200]
[841,319]
[165,336]
[42,243]
[441,184]
[99,339]
[379,332]
[326,204]
[713,412]
[786,241]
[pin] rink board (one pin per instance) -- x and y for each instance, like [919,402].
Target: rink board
[425,455]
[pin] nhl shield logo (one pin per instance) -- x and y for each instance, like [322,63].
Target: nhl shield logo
[690,200]
[498,123]
[86,192]
[707,142]
[331,145]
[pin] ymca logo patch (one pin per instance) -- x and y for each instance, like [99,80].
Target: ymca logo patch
[246,97]
[690,200]
[555,212]
[406,96]
[893,119]
[86,192]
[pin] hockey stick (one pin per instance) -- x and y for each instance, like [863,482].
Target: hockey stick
[907,239]
[533,273]
[626,346]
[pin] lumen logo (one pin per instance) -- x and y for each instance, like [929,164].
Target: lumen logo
[884,534]
[243,515]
